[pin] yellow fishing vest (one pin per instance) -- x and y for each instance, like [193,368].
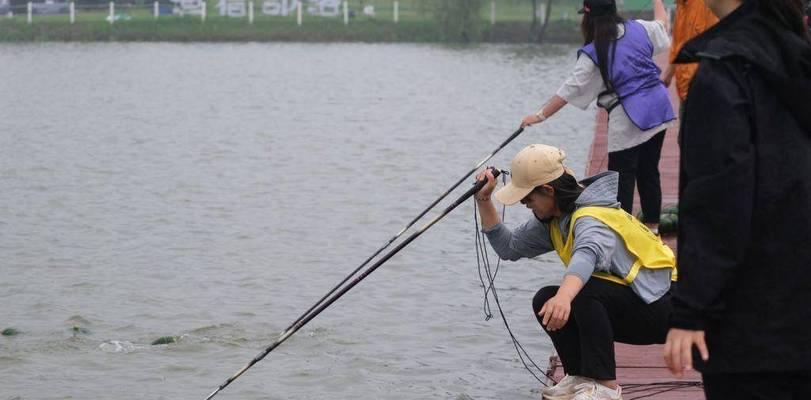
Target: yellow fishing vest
[644,245]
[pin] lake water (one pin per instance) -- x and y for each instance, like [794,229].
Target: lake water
[215,191]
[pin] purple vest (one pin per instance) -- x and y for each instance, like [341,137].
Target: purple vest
[635,78]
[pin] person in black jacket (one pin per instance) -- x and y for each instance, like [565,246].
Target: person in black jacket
[742,307]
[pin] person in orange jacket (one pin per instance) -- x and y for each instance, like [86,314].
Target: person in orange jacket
[692,18]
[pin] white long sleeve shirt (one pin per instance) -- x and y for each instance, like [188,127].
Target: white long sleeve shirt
[585,83]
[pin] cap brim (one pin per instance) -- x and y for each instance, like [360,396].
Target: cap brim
[511,194]
[581,11]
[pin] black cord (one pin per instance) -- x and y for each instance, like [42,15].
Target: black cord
[670,386]
[483,261]
[479,255]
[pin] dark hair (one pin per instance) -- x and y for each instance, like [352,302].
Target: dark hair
[602,31]
[567,190]
[787,14]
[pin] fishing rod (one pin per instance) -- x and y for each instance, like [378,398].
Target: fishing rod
[300,323]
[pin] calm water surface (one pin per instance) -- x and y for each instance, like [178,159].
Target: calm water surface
[215,191]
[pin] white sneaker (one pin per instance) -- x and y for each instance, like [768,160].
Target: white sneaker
[565,389]
[595,391]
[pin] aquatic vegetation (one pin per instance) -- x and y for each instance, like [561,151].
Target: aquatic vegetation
[166,340]
[79,330]
[10,332]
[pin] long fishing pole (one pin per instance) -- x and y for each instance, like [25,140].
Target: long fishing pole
[300,323]
[410,224]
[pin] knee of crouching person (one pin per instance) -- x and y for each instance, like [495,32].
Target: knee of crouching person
[542,296]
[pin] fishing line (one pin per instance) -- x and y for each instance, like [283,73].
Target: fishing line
[483,262]
[664,386]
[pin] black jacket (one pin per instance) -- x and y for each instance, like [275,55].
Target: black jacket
[745,196]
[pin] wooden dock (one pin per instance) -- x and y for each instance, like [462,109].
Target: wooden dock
[640,369]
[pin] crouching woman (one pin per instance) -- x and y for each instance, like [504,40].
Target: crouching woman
[617,282]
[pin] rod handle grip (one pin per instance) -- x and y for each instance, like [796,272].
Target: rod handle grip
[480,184]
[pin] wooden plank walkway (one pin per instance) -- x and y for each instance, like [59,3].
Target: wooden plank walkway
[644,365]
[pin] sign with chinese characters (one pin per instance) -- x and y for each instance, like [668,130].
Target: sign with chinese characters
[238,8]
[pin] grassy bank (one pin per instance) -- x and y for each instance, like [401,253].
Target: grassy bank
[214,30]
[266,30]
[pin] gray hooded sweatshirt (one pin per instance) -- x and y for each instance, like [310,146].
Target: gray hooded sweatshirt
[596,246]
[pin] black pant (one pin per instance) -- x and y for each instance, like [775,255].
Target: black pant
[758,386]
[602,313]
[639,166]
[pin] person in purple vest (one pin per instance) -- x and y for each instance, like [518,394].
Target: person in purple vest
[615,67]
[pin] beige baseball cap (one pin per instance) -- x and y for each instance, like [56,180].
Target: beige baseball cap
[534,165]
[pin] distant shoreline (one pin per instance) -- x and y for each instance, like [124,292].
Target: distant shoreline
[234,30]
